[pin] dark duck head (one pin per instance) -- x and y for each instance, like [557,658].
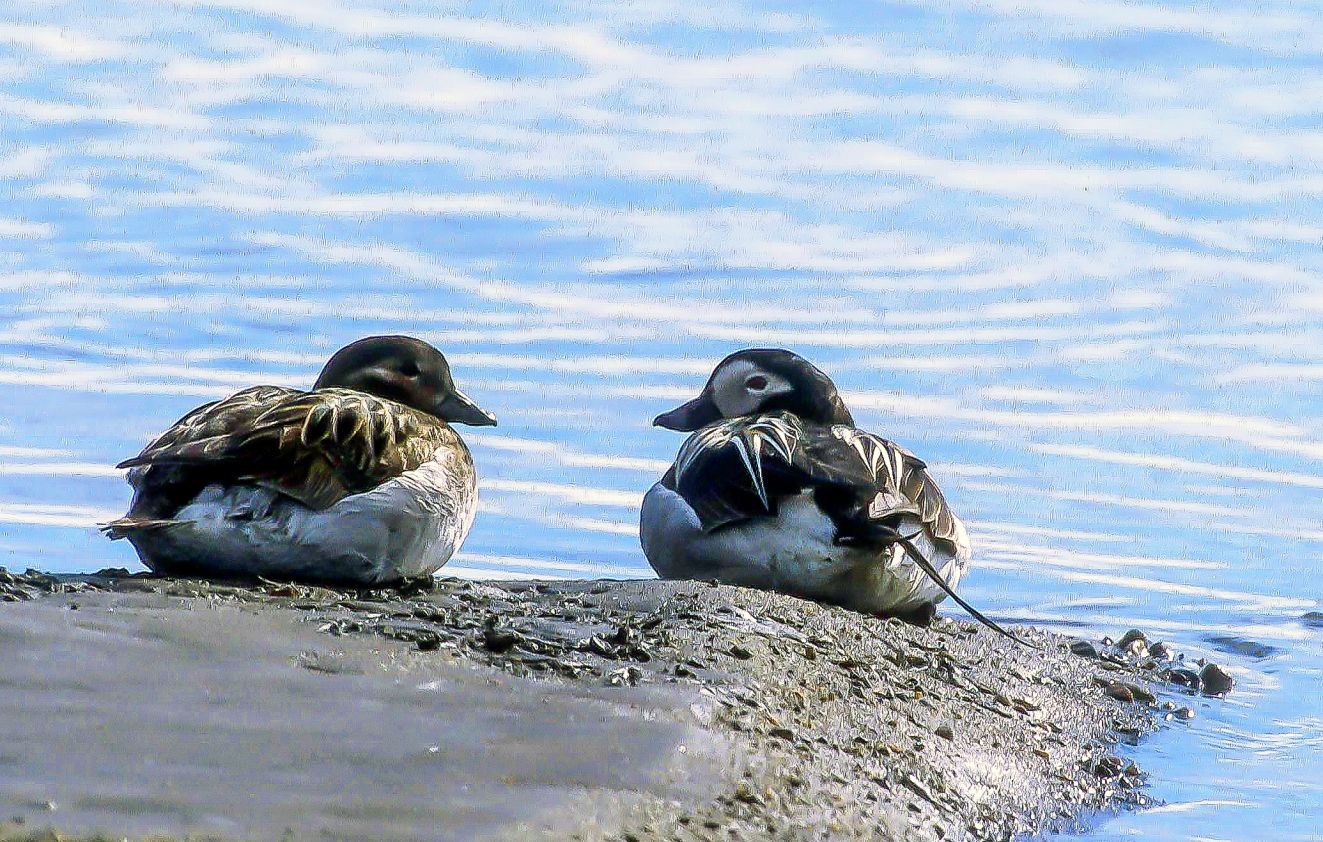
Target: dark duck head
[404,370]
[760,380]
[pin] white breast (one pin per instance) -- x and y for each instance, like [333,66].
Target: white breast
[795,552]
[408,526]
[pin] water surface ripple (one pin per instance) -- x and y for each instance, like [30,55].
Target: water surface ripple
[1067,251]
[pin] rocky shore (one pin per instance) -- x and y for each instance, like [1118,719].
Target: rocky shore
[593,710]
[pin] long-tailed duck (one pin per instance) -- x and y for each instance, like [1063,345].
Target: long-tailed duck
[777,489]
[359,481]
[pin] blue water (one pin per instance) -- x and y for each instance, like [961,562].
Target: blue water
[1067,251]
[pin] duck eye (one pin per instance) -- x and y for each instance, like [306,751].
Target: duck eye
[409,368]
[757,383]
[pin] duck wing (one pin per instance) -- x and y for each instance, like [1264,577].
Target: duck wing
[739,469]
[900,480]
[316,447]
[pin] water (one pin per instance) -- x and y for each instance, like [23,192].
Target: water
[1067,252]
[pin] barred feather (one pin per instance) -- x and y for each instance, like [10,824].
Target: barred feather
[316,447]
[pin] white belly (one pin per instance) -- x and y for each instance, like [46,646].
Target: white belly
[795,553]
[408,526]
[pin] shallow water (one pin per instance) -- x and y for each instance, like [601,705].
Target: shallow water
[1067,252]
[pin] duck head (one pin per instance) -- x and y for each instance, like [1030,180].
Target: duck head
[758,380]
[404,370]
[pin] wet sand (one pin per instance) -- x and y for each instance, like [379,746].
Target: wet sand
[570,710]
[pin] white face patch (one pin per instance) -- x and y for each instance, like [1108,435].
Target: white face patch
[742,388]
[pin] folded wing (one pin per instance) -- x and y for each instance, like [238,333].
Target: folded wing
[316,447]
[739,469]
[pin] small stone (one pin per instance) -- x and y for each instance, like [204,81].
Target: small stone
[1119,691]
[745,793]
[1043,753]
[1108,767]
[740,652]
[1140,694]
[1183,713]
[1130,637]
[1184,677]
[944,731]
[499,640]
[782,733]
[1216,680]
[1160,651]
[1137,648]
[1084,649]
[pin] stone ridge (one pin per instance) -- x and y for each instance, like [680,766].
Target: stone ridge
[844,726]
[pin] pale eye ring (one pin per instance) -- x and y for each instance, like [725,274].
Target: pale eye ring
[756,383]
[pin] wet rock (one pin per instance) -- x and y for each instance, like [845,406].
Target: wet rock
[1130,637]
[1109,767]
[1084,649]
[1184,678]
[1216,680]
[499,640]
[1119,691]
[1137,649]
[1185,713]
[1160,651]
[1140,694]
[835,712]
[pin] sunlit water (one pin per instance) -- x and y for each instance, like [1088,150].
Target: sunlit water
[1066,251]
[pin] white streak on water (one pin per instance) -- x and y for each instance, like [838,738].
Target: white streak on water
[1175,463]
[569,493]
[55,514]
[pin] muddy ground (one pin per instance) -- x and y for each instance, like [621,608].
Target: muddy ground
[598,710]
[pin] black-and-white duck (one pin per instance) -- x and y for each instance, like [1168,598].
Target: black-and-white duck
[777,489]
[361,480]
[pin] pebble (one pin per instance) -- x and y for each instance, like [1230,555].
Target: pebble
[1137,648]
[1216,681]
[1160,651]
[1130,637]
[1183,713]
[1084,649]
[1184,677]
[945,732]
[1140,694]
[499,640]
[1119,691]
[1109,767]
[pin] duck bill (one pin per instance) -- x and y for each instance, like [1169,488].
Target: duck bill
[459,408]
[688,417]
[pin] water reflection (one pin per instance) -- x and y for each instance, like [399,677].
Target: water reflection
[1066,254]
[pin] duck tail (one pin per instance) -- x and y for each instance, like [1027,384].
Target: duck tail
[125,526]
[926,566]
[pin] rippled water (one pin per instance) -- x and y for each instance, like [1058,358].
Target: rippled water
[1067,251]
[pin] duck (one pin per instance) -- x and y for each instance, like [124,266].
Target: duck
[777,489]
[360,480]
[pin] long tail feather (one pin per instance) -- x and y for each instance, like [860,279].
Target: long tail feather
[927,568]
[123,527]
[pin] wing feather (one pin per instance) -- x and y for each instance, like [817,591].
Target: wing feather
[316,447]
[904,485]
[738,469]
